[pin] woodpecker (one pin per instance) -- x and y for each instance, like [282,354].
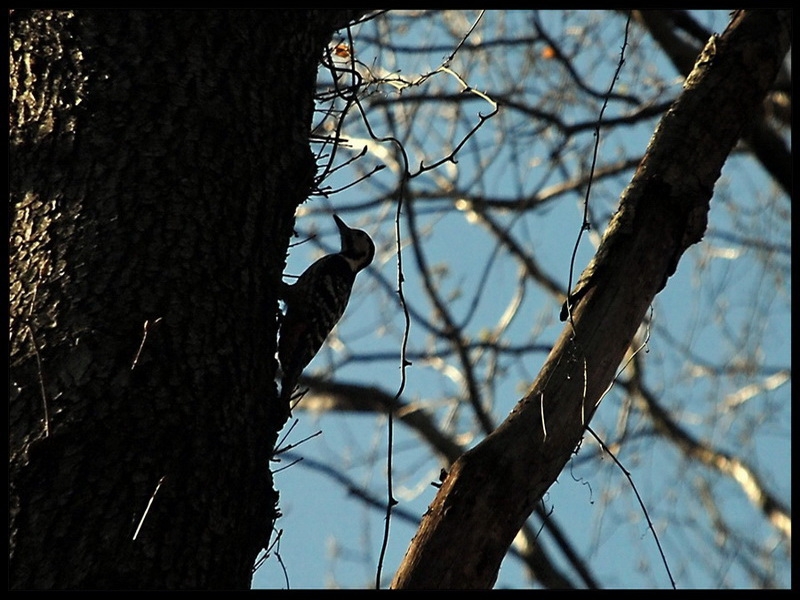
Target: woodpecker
[316,302]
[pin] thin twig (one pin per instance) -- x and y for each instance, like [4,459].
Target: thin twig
[639,499]
[585,224]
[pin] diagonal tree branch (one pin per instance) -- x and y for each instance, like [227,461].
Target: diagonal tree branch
[492,489]
[328,396]
[760,136]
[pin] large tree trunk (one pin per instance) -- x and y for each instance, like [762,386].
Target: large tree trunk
[156,159]
[492,489]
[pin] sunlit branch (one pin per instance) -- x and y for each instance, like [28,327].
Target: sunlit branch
[735,468]
[450,328]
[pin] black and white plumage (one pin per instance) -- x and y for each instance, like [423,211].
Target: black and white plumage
[316,302]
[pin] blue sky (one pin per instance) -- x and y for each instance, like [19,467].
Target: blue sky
[330,538]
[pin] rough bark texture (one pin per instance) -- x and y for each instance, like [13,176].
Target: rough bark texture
[758,133]
[156,160]
[493,488]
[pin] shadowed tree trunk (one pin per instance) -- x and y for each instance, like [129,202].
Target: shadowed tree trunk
[156,160]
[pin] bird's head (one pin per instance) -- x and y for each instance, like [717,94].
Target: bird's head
[357,247]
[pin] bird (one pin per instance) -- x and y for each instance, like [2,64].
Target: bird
[316,302]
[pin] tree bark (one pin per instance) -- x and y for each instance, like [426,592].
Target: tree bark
[761,137]
[156,160]
[492,489]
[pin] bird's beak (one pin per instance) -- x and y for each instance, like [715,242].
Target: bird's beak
[340,224]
